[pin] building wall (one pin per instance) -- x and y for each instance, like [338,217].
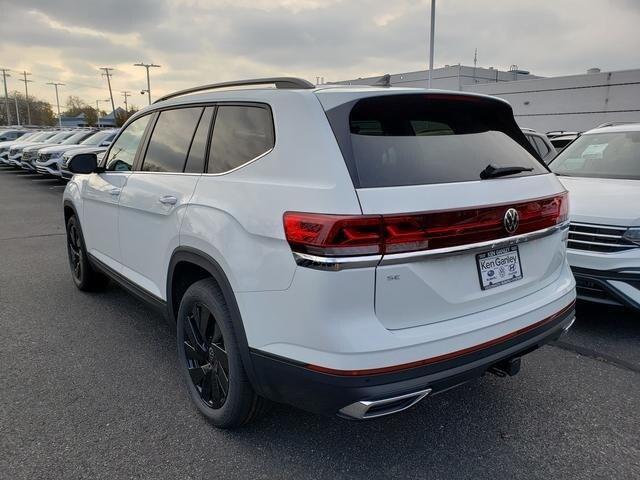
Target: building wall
[576,102]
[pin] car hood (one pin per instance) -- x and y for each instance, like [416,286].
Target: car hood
[60,148]
[36,146]
[604,201]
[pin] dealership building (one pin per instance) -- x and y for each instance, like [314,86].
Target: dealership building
[571,103]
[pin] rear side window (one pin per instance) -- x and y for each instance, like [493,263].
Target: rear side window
[170,140]
[542,147]
[240,134]
[415,139]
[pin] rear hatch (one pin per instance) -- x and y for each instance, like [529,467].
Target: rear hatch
[453,245]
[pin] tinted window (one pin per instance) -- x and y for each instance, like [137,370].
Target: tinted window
[123,151]
[603,155]
[170,140]
[240,134]
[542,147]
[397,140]
[198,150]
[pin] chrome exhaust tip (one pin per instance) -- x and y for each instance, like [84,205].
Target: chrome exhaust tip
[366,409]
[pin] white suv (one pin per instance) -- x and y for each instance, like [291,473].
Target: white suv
[344,250]
[601,169]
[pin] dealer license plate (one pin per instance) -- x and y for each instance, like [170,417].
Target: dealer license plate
[499,267]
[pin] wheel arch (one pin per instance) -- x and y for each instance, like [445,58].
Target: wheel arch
[200,265]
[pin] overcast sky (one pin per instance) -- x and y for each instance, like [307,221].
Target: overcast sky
[204,41]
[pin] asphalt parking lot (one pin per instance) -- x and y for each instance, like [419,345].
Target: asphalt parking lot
[89,389]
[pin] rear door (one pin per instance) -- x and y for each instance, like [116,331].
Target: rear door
[417,160]
[155,198]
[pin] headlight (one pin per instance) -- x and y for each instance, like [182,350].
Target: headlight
[632,235]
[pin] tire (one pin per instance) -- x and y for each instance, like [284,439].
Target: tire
[209,359]
[83,274]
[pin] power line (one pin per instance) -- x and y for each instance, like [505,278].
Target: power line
[109,75]
[6,95]
[56,85]
[26,94]
[147,66]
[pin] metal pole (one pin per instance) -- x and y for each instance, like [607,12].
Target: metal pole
[108,75]
[15,98]
[433,29]
[26,95]
[147,66]
[6,95]
[56,84]
[126,95]
[98,112]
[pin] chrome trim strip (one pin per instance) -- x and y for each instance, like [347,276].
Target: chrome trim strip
[600,244]
[335,264]
[598,235]
[358,410]
[395,258]
[595,225]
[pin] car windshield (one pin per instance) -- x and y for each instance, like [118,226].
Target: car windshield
[40,136]
[59,137]
[96,138]
[76,138]
[601,155]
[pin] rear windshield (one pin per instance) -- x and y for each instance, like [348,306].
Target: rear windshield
[416,139]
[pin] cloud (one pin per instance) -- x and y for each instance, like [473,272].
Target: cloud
[203,41]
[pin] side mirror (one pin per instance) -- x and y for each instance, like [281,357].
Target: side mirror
[83,163]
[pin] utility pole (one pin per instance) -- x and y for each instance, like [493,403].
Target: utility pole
[15,98]
[26,95]
[6,95]
[126,94]
[108,75]
[147,66]
[56,85]
[433,29]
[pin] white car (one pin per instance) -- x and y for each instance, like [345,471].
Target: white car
[49,159]
[70,154]
[15,151]
[601,170]
[6,145]
[345,250]
[30,152]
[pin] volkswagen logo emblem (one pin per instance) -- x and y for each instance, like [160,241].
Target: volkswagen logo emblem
[511,220]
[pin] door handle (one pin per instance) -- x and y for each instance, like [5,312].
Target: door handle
[115,191]
[168,200]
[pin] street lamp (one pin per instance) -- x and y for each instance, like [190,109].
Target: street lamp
[98,109]
[147,66]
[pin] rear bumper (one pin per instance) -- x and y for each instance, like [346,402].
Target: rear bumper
[333,392]
[611,287]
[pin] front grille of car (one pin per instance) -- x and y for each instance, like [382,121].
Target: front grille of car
[27,156]
[43,157]
[598,238]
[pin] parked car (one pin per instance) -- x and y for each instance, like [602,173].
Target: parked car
[12,134]
[601,170]
[560,139]
[15,151]
[7,144]
[30,152]
[345,250]
[48,158]
[541,144]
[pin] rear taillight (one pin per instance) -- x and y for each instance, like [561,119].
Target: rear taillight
[352,235]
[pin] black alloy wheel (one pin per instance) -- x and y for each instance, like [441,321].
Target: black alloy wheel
[206,356]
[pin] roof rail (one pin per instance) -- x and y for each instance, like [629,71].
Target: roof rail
[279,82]
[613,124]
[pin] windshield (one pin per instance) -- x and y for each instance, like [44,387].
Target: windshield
[97,138]
[76,138]
[41,136]
[601,155]
[58,138]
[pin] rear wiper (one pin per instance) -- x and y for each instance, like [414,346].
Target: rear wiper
[493,171]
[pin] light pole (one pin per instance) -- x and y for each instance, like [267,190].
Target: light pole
[57,84]
[15,98]
[6,95]
[98,110]
[433,29]
[147,66]
[26,95]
